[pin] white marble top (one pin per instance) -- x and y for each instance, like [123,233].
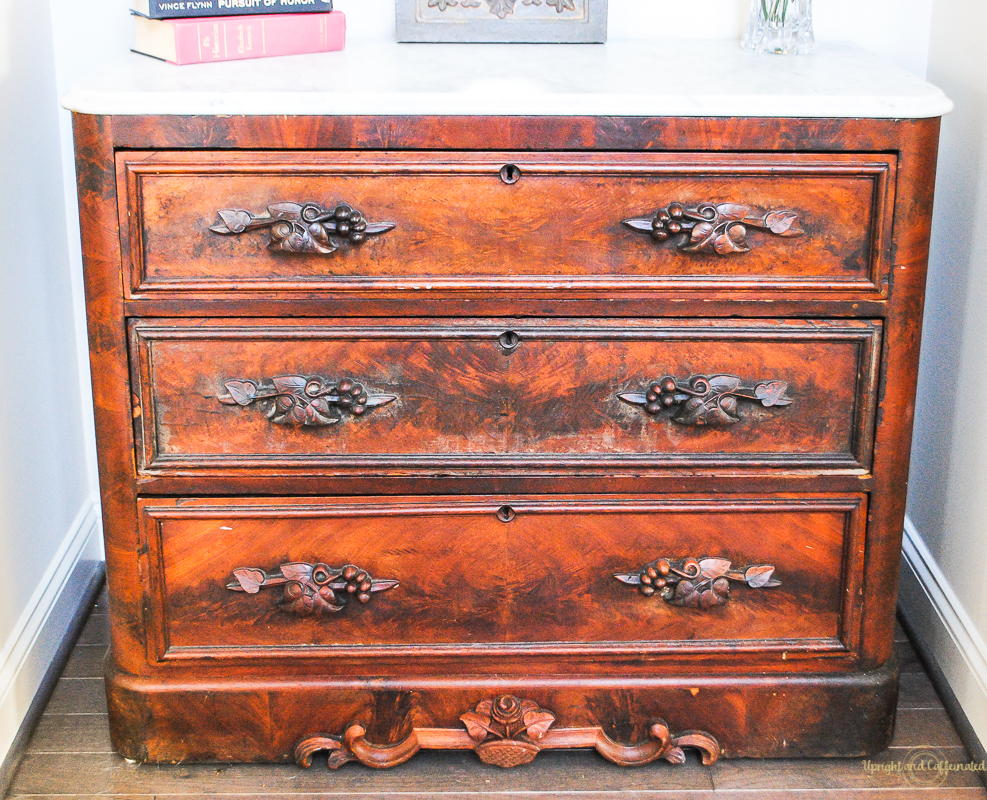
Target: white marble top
[620,78]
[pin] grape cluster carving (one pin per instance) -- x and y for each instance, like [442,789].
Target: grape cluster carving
[696,582]
[720,229]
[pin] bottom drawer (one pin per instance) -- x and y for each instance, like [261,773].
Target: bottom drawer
[247,578]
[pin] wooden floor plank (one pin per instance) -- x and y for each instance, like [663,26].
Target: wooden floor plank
[71,733]
[86,661]
[427,772]
[96,630]
[916,691]
[70,757]
[908,657]
[818,774]
[78,696]
[930,727]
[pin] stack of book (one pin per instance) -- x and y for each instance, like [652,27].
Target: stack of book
[195,31]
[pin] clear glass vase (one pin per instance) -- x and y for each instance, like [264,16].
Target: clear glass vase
[780,26]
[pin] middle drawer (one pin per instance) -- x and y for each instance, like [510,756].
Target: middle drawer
[335,395]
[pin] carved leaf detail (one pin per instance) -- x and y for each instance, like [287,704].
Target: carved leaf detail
[380,400]
[732,211]
[538,722]
[289,211]
[477,725]
[772,393]
[724,383]
[233,221]
[243,393]
[639,224]
[714,567]
[250,580]
[291,384]
[637,398]
[759,576]
[781,222]
[297,572]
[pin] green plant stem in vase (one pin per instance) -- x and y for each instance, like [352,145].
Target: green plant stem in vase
[780,26]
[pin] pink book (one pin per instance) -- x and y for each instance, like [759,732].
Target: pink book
[201,39]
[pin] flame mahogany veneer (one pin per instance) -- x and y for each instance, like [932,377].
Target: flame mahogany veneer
[502,434]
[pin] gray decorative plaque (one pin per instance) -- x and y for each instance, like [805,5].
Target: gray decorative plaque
[560,21]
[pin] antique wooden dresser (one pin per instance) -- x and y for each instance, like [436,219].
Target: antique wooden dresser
[569,409]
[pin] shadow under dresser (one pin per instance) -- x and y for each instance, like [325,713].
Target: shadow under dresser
[567,418]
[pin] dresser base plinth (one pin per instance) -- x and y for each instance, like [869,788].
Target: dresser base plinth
[748,716]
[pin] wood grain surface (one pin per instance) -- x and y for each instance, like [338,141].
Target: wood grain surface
[459,225]
[468,578]
[465,401]
[177,312]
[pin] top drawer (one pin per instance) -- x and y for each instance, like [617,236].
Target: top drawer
[553,222]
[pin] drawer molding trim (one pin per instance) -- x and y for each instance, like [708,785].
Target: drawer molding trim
[301,400]
[696,583]
[302,227]
[708,228]
[701,400]
[311,589]
[507,731]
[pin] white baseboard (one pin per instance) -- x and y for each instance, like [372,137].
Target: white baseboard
[48,617]
[935,614]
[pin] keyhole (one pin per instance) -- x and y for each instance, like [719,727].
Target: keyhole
[509,173]
[509,341]
[505,513]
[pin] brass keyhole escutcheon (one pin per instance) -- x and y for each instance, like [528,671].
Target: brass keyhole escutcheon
[506,513]
[509,173]
[509,341]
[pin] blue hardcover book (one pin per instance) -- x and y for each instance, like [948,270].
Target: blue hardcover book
[172,9]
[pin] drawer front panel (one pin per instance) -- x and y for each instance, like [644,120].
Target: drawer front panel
[467,222]
[245,577]
[217,394]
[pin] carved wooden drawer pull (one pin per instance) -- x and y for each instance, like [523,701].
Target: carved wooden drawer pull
[696,583]
[303,227]
[507,731]
[311,589]
[300,400]
[701,400]
[708,228]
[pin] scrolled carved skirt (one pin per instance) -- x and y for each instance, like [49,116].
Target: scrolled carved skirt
[508,740]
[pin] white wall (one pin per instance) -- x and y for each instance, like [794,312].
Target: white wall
[946,544]
[48,520]
[896,29]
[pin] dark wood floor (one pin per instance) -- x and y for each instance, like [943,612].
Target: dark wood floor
[70,757]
